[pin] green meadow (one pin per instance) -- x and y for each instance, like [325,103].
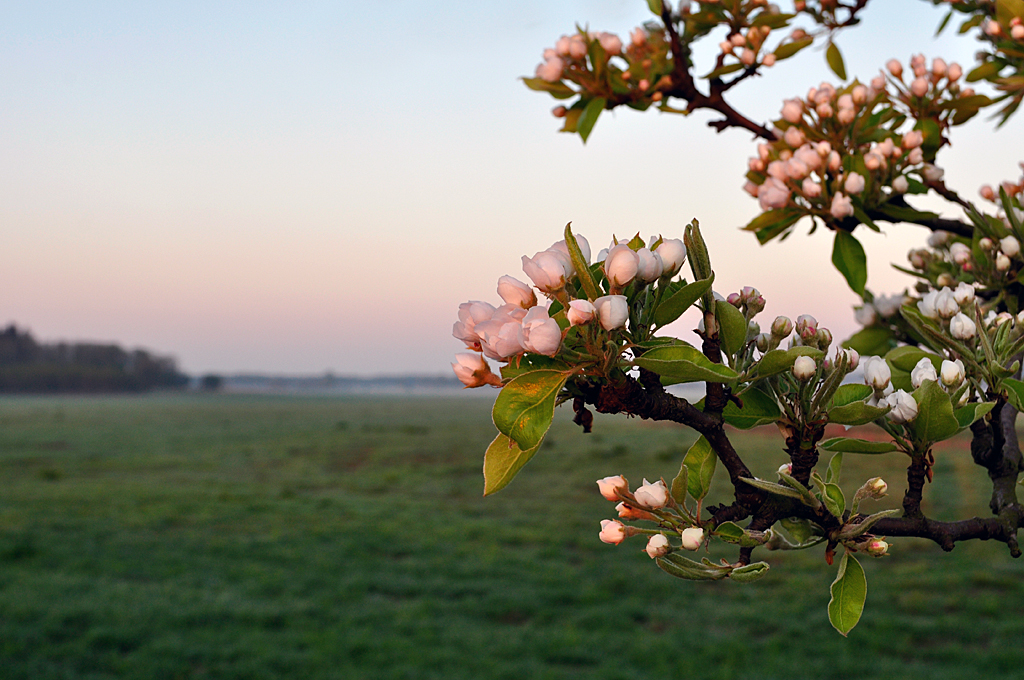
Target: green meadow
[220,536]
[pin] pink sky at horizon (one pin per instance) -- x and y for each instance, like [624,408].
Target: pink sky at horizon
[312,188]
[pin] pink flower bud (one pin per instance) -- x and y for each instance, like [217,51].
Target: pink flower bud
[794,136]
[913,139]
[539,333]
[638,37]
[854,183]
[993,28]
[781,327]
[835,162]
[987,192]
[841,207]
[915,156]
[954,72]
[895,68]
[939,68]
[824,110]
[692,538]
[1010,246]
[876,547]
[786,469]
[650,266]
[610,487]
[804,368]
[621,265]
[515,292]
[773,194]
[612,311]
[1017,32]
[673,255]
[612,531]
[551,70]
[611,43]
[748,57]
[559,112]
[751,188]
[793,111]
[643,84]
[919,87]
[652,495]
[657,546]
[577,47]
[546,270]
[562,46]
[580,312]
[810,188]
[1002,262]
[471,369]
[859,94]
[900,184]
[872,160]
[769,59]
[878,83]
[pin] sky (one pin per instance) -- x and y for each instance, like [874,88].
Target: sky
[313,186]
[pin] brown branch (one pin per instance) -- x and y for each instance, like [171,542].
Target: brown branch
[946,534]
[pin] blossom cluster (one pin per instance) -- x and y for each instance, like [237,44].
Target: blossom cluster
[834,152]
[523,325]
[652,502]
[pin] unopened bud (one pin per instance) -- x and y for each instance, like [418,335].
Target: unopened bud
[657,546]
[876,547]
[804,368]
[692,538]
[782,327]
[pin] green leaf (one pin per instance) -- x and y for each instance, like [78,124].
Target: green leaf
[850,445]
[558,90]
[680,567]
[759,408]
[834,500]
[857,413]
[525,406]
[771,487]
[768,225]
[730,532]
[673,307]
[873,341]
[848,394]
[907,357]
[683,363]
[589,117]
[849,591]
[787,50]
[1014,392]
[935,420]
[902,213]
[835,466]
[581,266]
[835,60]
[942,24]
[749,572]
[778,360]
[984,72]
[679,484]
[725,70]
[855,530]
[849,258]
[700,462]
[532,362]
[733,327]
[654,6]
[502,462]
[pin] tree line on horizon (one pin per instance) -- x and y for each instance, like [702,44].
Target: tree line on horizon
[28,366]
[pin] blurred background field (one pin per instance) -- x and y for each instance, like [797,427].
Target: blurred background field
[228,536]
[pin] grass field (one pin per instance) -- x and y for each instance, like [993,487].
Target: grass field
[273,537]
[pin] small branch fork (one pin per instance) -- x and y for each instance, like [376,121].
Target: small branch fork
[994,447]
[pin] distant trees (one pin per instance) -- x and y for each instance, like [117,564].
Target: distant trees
[28,366]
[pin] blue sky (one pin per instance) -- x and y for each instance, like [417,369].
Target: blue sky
[253,186]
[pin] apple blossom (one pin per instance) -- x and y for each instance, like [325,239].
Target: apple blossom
[781,327]
[794,136]
[470,314]
[539,333]
[952,372]
[919,87]
[852,359]
[924,370]
[927,304]
[500,335]
[865,315]
[563,249]
[959,253]
[580,312]
[806,326]
[804,368]
[902,407]
[964,293]
[1010,246]
[692,538]
[987,192]
[611,486]
[650,266]
[612,531]
[620,265]
[913,139]
[652,495]
[810,188]
[612,311]
[962,327]
[946,304]
[792,110]
[1002,262]
[472,370]
[773,194]
[546,270]
[854,183]
[515,292]
[915,156]
[673,255]
[841,206]
[551,70]
[895,68]
[835,161]
[932,173]
[954,73]
[577,46]
[786,469]
[876,372]
[611,43]
[657,546]
[629,512]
